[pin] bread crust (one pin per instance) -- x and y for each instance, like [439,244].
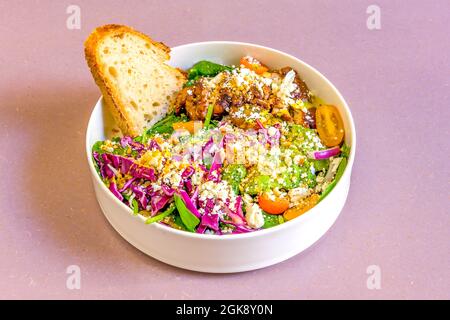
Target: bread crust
[109,93]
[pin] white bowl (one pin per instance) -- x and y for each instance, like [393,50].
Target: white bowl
[239,252]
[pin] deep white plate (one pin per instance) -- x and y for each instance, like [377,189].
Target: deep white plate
[239,252]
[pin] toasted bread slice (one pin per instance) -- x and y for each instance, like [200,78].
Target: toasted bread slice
[131,71]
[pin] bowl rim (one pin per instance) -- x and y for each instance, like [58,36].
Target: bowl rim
[257,233]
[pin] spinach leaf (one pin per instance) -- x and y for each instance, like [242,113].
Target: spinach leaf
[341,168]
[160,216]
[339,173]
[97,147]
[272,220]
[135,206]
[213,124]
[177,222]
[189,220]
[321,165]
[345,151]
[117,150]
[190,83]
[204,69]
[162,127]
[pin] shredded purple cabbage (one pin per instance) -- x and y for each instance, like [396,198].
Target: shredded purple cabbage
[209,221]
[140,195]
[238,207]
[167,190]
[158,202]
[189,171]
[127,185]
[154,145]
[127,141]
[238,227]
[214,171]
[189,204]
[153,198]
[188,185]
[113,188]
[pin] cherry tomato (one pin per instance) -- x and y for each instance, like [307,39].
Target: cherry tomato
[301,208]
[272,204]
[191,126]
[329,125]
[253,64]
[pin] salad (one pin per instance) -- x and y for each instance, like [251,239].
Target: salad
[244,148]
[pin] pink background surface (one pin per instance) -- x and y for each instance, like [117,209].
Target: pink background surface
[396,81]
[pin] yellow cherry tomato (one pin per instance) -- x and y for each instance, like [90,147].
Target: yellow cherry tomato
[191,126]
[302,207]
[329,125]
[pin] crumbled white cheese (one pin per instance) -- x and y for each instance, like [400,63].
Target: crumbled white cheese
[221,192]
[254,216]
[172,178]
[197,177]
[286,87]
[272,131]
[247,199]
